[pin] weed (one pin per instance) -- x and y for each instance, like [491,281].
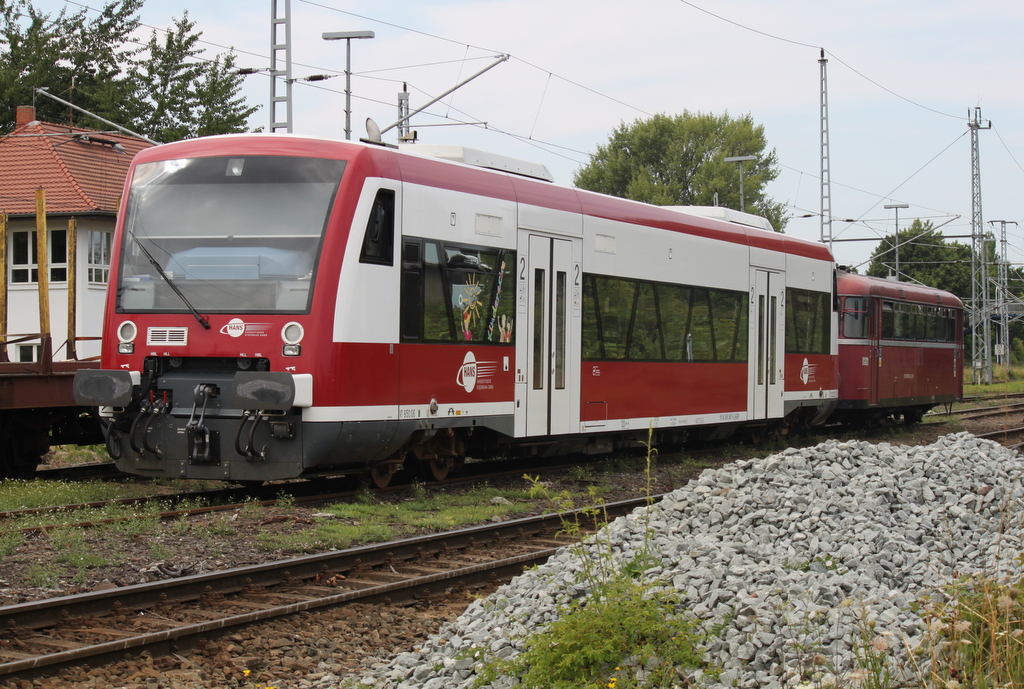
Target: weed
[135,525]
[74,549]
[251,508]
[976,634]
[624,635]
[285,500]
[365,496]
[43,576]
[417,491]
[219,526]
[181,525]
[9,542]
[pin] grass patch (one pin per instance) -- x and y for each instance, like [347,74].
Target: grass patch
[43,576]
[9,542]
[69,455]
[74,549]
[127,520]
[17,495]
[368,520]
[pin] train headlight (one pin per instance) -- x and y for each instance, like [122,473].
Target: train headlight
[291,350]
[127,331]
[126,334]
[292,333]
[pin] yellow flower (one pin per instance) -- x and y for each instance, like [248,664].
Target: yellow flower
[246,672]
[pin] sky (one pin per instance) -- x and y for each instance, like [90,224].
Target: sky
[904,80]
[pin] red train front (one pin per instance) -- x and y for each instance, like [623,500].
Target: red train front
[286,306]
[900,347]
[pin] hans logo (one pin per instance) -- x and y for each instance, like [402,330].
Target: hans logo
[234,328]
[807,372]
[467,374]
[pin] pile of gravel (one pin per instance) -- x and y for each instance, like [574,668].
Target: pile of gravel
[792,553]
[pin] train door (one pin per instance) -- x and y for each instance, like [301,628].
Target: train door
[548,304]
[767,343]
[881,328]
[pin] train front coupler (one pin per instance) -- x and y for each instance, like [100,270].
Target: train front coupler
[200,448]
[150,407]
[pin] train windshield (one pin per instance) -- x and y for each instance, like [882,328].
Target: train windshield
[225,234]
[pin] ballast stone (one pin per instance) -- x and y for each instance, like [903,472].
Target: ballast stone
[791,553]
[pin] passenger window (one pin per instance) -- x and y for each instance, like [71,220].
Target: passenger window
[700,326]
[674,302]
[645,342]
[648,321]
[807,321]
[888,320]
[615,307]
[855,318]
[730,309]
[456,293]
[379,237]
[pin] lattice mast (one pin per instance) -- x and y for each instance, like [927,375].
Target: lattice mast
[1003,294]
[280,66]
[981,323]
[826,174]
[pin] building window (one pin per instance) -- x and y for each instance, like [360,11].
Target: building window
[25,260]
[99,256]
[28,354]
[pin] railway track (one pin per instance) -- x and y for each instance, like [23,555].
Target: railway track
[983,412]
[41,637]
[1012,438]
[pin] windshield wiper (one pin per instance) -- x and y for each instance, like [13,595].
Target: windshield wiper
[170,283]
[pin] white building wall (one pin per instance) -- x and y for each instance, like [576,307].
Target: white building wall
[23,298]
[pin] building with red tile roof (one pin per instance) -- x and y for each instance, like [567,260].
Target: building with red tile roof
[82,172]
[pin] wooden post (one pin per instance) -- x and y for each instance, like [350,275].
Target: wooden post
[43,269]
[3,288]
[72,352]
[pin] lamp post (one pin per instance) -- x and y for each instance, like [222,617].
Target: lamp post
[740,160]
[347,36]
[896,207]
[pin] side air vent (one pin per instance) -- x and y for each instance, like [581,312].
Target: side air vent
[170,337]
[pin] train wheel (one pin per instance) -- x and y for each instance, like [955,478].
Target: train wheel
[437,469]
[381,473]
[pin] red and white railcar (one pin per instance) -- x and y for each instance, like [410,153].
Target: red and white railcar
[285,306]
[900,349]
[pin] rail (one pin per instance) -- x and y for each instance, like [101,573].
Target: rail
[394,572]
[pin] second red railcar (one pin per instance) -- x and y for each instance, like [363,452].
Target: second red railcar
[900,349]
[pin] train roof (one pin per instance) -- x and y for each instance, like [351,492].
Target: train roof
[851,283]
[496,180]
[727,214]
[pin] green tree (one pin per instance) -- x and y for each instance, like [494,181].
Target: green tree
[177,94]
[167,89]
[680,161]
[925,257]
[72,55]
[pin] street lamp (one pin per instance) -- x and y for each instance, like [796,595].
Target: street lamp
[347,36]
[740,160]
[896,207]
